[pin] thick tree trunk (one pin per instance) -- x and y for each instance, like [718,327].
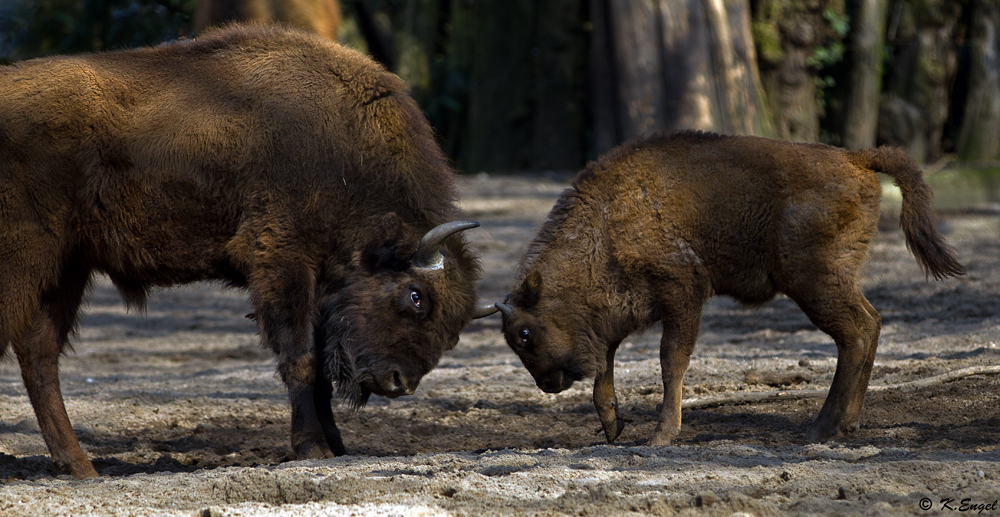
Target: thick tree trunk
[794,41]
[673,64]
[525,85]
[915,105]
[319,16]
[740,92]
[864,83]
[979,137]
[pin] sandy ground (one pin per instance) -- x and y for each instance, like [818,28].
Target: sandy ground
[182,414]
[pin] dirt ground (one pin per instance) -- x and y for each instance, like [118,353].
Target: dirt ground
[182,413]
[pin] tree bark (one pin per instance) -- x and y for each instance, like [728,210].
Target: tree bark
[674,64]
[865,79]
[917,98]
[795,41]
[979,137]
[741,94]
[526,82]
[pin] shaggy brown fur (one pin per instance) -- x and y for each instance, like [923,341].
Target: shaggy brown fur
[319,16]
[271,160]
[658,225]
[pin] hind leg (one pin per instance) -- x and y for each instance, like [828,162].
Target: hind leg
[38,356]
[874,329]
[854,325]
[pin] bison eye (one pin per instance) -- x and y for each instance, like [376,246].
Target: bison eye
[523,336]
[415,298]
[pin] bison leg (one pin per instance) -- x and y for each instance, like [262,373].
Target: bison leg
[323,398]
[854,326]
[38,356]
[681,322]
[282,295]
[605,399]
[874,329]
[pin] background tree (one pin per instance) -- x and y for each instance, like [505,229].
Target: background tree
[923,40]
[865,51]
[33,28]
[979,137]
[546,84]
[797,43]
[319,16]
[662,65]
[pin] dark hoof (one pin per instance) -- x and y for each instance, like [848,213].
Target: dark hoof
[613,429]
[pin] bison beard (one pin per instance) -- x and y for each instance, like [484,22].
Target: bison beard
[339,355]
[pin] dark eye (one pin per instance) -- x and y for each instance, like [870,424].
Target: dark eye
[415,298]
[524,335]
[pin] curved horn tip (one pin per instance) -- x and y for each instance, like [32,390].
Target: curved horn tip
[507,310]
[485,309]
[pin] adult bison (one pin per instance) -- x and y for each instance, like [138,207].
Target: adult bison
[660,224]
[271,160]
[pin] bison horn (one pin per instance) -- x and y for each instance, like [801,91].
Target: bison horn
[507,310]
[428,253]
[484,309]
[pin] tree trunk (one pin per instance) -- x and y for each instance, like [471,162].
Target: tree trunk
[319,16]
[673,64]
[915,105]
[865,78]
[740,91]
[978,138]
[795,40]
[525,85]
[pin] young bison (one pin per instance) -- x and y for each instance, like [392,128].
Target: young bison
[658,225]
[271,160]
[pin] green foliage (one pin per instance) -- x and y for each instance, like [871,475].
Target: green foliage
[840,23]
[34,28]
[833,52]
[768,41]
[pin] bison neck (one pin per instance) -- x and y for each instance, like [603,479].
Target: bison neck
[579,264]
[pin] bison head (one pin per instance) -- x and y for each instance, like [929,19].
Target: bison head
[544,331]
[401,307]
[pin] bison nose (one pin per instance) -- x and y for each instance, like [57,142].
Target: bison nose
[400,384]
[552,383]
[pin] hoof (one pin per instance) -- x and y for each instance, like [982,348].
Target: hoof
[77,470]
[661,437]
[613,429]
[312,450]
[660,440]
[819,434]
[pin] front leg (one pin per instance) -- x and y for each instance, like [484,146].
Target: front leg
[605,399]
[681,322]
[283,295]
[323,398]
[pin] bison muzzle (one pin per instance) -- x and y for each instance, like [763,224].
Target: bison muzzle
[658,225]
[267,159]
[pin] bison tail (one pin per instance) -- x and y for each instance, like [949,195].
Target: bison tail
[916,219]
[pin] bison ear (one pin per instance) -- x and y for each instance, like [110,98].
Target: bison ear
[530,291]
[391,226]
